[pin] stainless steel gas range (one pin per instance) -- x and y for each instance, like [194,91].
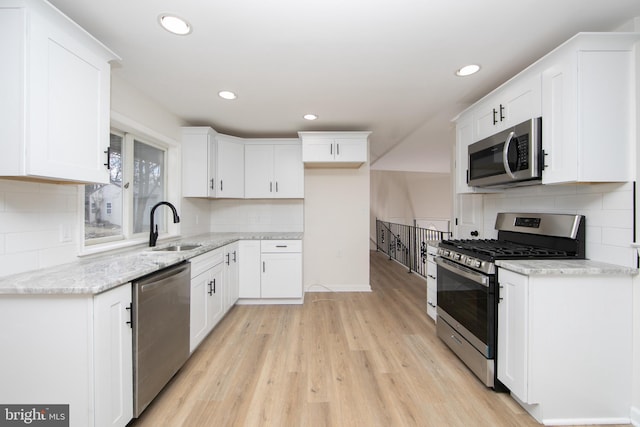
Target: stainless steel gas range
[467,281]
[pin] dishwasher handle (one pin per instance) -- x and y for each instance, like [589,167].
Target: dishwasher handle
[157,279]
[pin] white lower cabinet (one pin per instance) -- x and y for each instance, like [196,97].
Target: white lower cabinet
[565,345]
[207,296]
[249,274]
[113,357]
[271,272]
[70,349]
[281,268]
[231,275]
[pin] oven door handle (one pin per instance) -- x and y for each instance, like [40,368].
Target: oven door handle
[463,271]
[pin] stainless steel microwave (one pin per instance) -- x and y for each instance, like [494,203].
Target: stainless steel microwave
[511,157]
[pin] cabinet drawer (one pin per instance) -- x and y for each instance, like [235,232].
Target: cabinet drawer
[202,263]
[281,246]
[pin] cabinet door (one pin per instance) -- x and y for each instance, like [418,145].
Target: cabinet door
[559,123]
[231,271]
[350,150]
[196,177]
[12,84]
[489,117]
[317,150]
[215,296]
[470,216]
[516,102]
[249,274]
[281,275]
[230,167]
[259,171]
[113,357]
[68,98]
[288,171]
[513,332]
[523,100]
[580,113]
[198,315]
[464,138]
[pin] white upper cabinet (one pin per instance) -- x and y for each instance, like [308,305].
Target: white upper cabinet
[273,169]
[55,85]
[588,96]
[464,138]
[584,90]
[229,166]
[520,100]
[212,164]
[334,149]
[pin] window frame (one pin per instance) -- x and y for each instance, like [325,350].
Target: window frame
[133,130]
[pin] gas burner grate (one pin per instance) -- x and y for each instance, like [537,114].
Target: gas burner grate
[503,249]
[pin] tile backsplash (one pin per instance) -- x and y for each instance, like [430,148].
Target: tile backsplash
[38,225]
[608,209]
[257,215]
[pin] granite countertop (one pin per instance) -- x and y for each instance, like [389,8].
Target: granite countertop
[100,273]
[539,267]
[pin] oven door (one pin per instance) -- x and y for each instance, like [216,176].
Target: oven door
[466,301]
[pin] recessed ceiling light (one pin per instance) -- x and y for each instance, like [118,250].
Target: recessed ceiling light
[174,24]
[467,70]
[310,117]
[226,94]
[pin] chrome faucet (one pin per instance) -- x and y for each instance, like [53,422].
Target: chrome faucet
[153,234]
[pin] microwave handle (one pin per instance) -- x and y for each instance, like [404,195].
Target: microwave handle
[505,155]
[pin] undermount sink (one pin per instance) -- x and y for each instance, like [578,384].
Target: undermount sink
[177,248]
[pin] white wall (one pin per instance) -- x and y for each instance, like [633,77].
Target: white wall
[336,229]
[402,197]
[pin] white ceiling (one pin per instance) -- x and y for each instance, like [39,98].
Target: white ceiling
[381,65]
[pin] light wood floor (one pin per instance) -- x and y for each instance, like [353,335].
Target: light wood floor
[341,359]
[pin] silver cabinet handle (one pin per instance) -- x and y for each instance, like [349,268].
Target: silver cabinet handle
[456,339]
[263,266]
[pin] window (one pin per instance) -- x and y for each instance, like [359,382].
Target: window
[120,210]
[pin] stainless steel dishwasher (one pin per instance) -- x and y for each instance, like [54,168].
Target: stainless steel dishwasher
[160,331]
